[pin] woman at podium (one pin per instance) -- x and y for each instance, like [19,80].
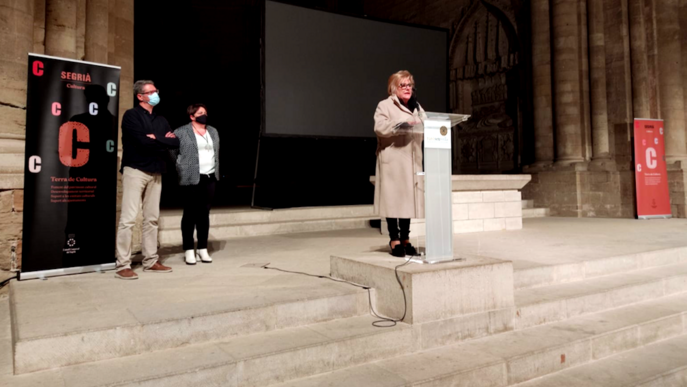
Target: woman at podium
[399,193]
[197,163]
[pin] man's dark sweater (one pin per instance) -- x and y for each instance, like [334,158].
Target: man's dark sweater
[142,152]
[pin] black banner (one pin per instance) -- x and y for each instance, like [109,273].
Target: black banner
[70,176]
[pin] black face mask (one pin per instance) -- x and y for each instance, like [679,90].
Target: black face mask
[202,119]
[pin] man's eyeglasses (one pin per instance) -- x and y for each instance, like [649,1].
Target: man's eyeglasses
[150,92]
[404,85]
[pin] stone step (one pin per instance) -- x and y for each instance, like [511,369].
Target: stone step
[663,364]
[545,275]
[376,356]
[528,213]
[103,334]
[560,302]
[517,357]
[171,219]
[527,204]
[254,360]
[172,237]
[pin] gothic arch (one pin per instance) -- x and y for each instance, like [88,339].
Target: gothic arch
[485,82]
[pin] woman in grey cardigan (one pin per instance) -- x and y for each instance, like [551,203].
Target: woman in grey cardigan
[197,163]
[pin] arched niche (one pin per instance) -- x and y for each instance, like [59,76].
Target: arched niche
[485,82]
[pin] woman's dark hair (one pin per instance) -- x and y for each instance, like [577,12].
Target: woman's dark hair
[191,110]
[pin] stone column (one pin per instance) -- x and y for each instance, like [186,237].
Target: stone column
[640,67]
[17,42]
[597,60]
[121,29]
[60,28]
[683,41]
[80,29]
[97,21]
[568,82]
[120,52]
[39,26]
[541,75]
[672,103]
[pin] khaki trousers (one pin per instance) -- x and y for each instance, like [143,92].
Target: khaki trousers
[139,187]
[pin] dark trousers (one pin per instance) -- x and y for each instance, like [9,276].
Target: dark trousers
[197,202]
[393,225]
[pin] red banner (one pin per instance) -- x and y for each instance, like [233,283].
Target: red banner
[653,198]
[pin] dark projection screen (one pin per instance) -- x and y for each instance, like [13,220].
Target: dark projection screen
[325,73]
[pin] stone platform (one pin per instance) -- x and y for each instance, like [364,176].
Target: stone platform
[480,203]
[595,301]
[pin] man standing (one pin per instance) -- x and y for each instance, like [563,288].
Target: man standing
[146,139]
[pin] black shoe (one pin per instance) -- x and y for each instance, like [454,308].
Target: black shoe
[398,251]
[410,249]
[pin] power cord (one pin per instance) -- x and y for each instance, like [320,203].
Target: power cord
[7,281]
[383,322]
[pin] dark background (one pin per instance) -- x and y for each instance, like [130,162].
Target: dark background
[209,52]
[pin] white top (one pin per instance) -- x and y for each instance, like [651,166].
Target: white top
[206,153]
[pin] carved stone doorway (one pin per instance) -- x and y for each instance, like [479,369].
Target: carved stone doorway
[485,82]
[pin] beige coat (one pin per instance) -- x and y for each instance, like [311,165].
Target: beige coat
[399,191]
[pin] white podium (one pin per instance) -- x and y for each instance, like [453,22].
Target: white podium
[437,176]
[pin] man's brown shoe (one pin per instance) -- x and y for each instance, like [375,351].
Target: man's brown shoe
[159,268]
[126,274]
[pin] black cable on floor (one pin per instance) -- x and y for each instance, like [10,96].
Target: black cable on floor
[382,323]
[5,282]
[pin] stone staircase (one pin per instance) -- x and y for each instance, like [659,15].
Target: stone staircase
[245,222]
[528,210]
[625,315]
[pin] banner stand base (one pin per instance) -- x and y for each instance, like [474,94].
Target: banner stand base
[645,217]
[68,271]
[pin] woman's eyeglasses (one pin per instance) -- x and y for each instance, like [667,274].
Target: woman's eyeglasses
[404,85]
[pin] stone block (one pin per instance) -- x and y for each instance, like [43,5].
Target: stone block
[493,196]
[467,197]
[5,255]
[514,223]
[508,210]
[497,224]
[481,211]
[661,330]
[6,202]
[10,225]
[512,196]
[19,201]
[548,361]
[615,342]
[433,292]
[452,331]
[460,212]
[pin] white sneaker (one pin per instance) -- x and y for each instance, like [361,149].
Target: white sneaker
[189,257]
[203,256]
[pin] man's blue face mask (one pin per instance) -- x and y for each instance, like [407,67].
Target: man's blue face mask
[154,99]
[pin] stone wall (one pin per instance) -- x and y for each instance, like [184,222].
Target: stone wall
[477,211]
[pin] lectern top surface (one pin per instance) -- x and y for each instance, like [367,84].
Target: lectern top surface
[454,118]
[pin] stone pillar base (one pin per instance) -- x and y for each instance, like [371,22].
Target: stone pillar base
[11,220]
[677,186]
[581,193]
[603,165]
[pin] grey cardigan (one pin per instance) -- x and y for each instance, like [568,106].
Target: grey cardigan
[186,157]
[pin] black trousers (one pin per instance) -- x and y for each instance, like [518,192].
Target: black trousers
[197,202]
[393,225]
